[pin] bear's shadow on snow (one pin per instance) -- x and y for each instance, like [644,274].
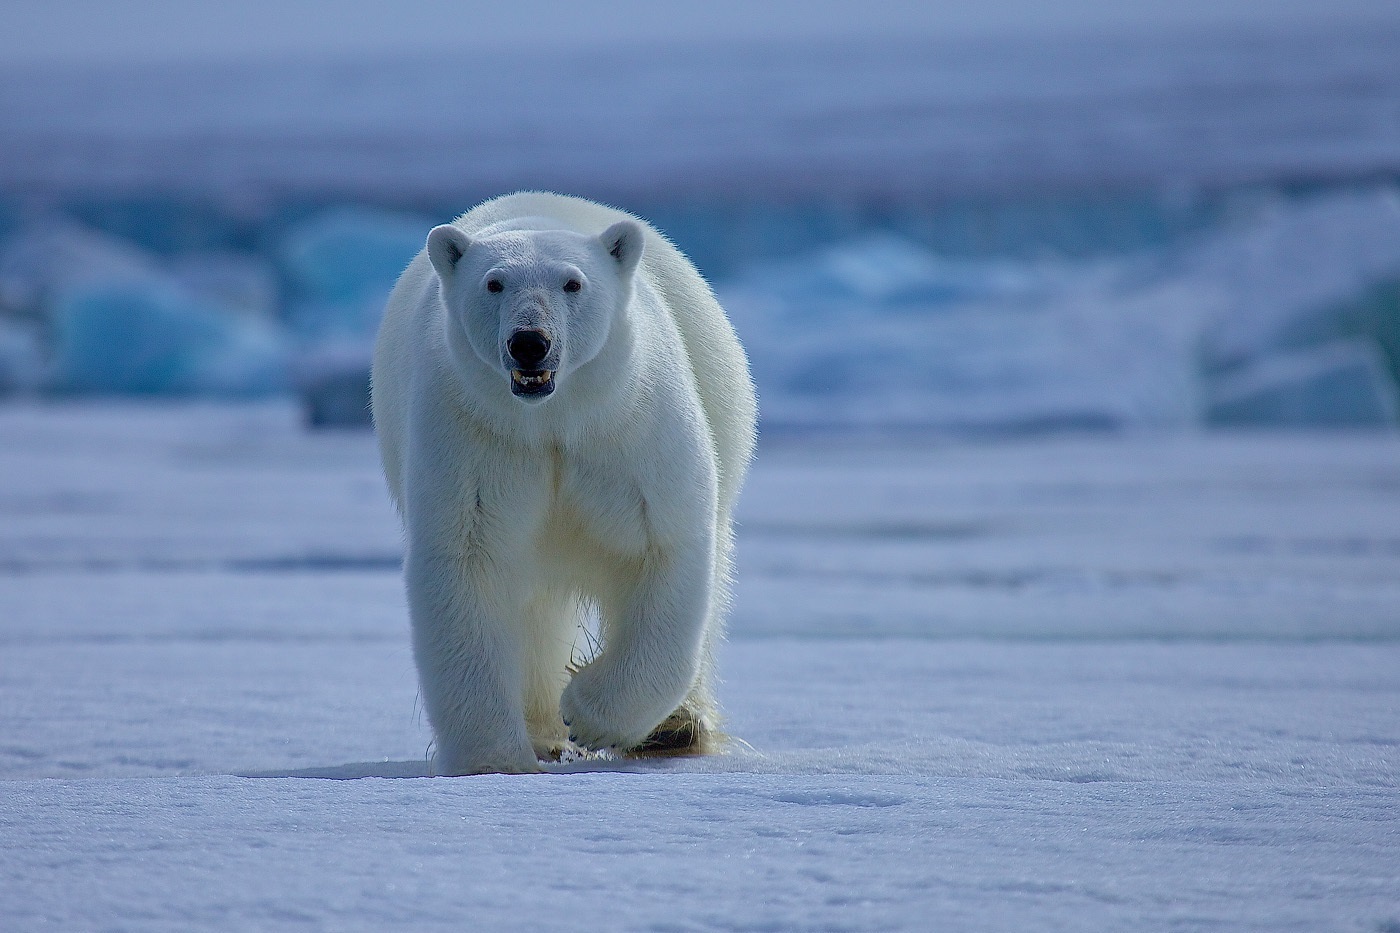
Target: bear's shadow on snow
[358,770]
[352,771]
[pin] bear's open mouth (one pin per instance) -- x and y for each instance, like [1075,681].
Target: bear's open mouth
[531,383]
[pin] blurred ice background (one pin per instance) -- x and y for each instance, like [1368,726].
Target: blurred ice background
[1093,220]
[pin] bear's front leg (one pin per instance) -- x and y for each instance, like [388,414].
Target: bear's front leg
[467,649]
[653,640]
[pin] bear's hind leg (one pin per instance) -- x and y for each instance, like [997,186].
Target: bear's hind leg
[680,734]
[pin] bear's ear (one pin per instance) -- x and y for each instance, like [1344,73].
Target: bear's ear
[446,245]
[623,241]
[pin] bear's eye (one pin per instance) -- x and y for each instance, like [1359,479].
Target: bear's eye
[572,285]
[494,285]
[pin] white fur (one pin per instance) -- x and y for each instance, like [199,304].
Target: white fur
[615,491]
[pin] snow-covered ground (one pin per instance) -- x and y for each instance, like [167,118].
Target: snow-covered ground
[1145,682]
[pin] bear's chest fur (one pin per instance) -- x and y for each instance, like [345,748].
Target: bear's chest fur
[568,514]
[592,508]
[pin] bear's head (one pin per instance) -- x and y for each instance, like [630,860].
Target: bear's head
[535,305]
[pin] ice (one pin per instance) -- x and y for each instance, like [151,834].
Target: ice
[1081,683]
[21,357]
[154,339]
[341,265]
[883,332]
[1001,346]
[884,271]
[879,329]
[1267,280]
[1341,384]
[49,256]
[237,282]
[109,317]
[92,313]
[333,382]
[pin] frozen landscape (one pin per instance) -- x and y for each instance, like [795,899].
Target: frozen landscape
[1142,681]
[1069,569]
[1174,230]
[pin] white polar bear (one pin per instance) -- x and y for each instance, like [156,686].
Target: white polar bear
[565,417]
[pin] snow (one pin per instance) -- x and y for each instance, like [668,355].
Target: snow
[1022,681]
[1071,683]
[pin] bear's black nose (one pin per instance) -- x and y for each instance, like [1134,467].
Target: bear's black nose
[528,348]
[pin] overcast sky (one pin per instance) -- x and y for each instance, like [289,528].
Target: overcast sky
[59,31]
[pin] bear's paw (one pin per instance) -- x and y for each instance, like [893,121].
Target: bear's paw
[603,714]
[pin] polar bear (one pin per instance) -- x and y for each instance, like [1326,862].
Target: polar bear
[565,417]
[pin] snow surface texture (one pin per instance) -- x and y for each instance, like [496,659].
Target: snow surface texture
[1138,683]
